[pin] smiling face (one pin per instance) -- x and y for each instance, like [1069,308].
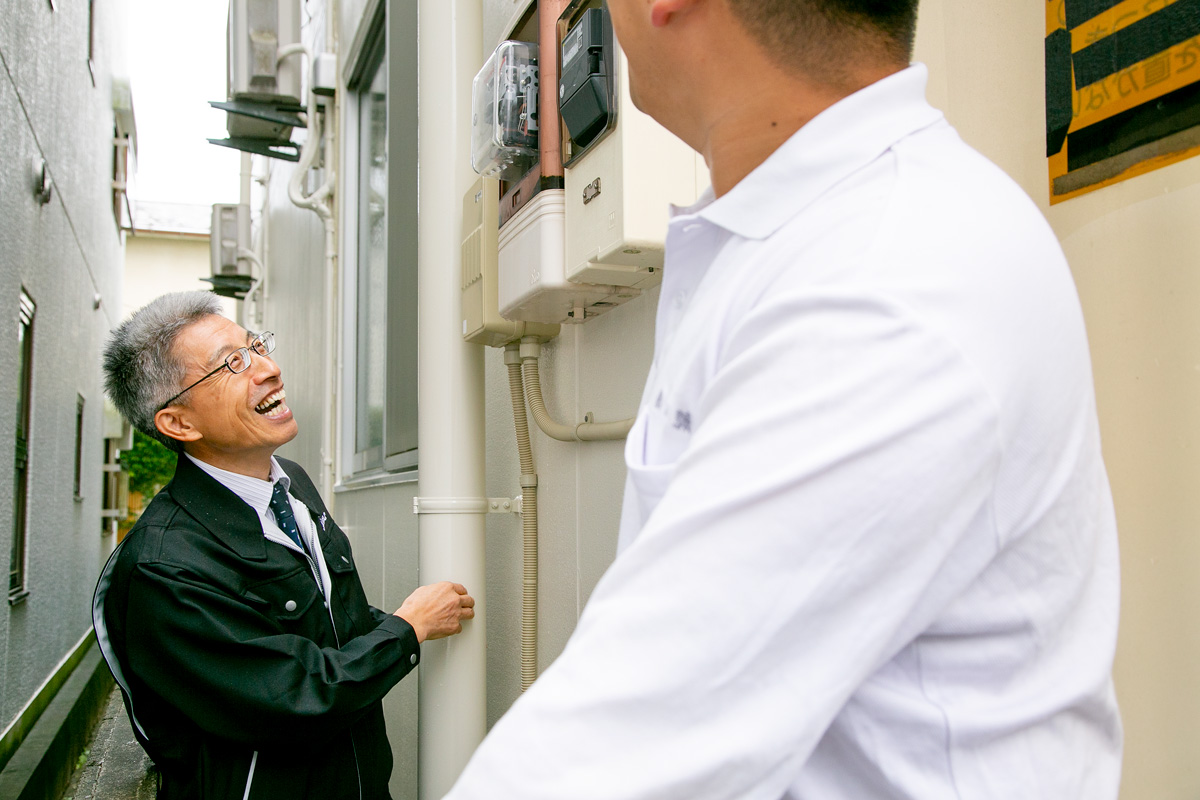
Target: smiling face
[232,421]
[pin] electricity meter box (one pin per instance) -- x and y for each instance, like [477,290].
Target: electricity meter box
[504,112]
[619,186]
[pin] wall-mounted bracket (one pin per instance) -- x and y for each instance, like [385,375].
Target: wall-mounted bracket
[467,505]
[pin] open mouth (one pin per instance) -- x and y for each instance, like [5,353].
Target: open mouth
[273,405]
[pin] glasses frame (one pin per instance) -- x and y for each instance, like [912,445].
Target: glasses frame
[261,345]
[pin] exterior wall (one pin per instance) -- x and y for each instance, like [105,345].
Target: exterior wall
[158,263]
[1123,242]
[66,254]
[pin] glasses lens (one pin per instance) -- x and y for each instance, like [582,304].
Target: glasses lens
[238,360]
[264,343]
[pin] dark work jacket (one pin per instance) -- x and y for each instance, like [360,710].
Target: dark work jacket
[232,673]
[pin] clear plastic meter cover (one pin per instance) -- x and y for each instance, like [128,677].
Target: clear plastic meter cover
[504,116]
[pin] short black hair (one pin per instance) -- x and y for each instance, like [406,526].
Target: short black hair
[823,37]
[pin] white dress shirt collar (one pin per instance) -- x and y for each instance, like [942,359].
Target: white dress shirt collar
[254,491]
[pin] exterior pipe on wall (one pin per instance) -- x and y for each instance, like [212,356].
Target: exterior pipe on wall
[450,392]
[529,521]
[321,129]
[531,350]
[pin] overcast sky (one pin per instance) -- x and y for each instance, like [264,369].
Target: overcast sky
[177,64]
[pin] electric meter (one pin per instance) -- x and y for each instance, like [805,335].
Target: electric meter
[504,127]
[586,90]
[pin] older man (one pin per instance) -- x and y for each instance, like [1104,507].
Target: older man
[867,550]
[232,615]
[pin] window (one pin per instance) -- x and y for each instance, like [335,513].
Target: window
[92,40]
[16,573]
[78,446]
[381,244]
[371,319]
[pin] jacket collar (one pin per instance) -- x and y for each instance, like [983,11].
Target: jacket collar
[222,512]
[302,487]
[836,143]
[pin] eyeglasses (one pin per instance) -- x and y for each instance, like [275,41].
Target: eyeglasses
[235,362]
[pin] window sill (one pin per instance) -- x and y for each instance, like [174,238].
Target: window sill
[17,598]
[372,480]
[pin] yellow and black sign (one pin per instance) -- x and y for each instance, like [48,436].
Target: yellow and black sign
[1122,89]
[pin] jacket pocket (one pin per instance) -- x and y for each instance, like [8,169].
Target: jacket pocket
[290,600]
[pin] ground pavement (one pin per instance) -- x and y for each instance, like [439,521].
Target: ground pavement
[114,767]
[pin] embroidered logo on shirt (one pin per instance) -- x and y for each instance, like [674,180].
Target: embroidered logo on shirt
[683,421]
[321,521]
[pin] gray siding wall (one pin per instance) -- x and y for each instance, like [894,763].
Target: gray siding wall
[64,254]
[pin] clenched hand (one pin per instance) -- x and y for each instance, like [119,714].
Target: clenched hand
[437,610]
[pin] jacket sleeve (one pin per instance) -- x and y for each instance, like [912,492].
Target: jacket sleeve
[227,666]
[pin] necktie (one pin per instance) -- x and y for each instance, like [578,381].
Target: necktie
[283,513]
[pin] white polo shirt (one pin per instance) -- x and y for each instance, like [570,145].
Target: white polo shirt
[868,548]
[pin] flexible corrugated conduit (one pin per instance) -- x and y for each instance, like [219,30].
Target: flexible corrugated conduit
[524,385]
[529,525]
[531,350]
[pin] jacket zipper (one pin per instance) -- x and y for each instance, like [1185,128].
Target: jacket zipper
[312,565]
[250,776]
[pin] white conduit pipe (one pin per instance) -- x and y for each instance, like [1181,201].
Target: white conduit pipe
[529,522]
[321,201]
[583,432]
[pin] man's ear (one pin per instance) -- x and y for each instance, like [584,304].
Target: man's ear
[661,11]
[173,421]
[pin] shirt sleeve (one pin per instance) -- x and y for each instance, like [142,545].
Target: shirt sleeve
[230,670]
[835,495]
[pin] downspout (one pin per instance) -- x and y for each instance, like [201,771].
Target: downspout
[450,395]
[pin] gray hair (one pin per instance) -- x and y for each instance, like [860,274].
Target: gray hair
[140,371]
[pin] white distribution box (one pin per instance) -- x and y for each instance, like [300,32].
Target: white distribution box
[533,285]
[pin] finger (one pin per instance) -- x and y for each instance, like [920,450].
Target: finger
[458,587]
[467,613]
[466,601]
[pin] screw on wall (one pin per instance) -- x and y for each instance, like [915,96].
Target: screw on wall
[42,185]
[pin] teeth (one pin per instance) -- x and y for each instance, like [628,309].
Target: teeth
[273,404]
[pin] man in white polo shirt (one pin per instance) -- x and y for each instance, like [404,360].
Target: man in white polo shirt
[232,615]
[868,550]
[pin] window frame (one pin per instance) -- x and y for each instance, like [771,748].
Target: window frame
[386,35]
[18,570]
[79,425]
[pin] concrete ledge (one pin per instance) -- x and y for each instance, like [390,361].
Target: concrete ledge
[42,766]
